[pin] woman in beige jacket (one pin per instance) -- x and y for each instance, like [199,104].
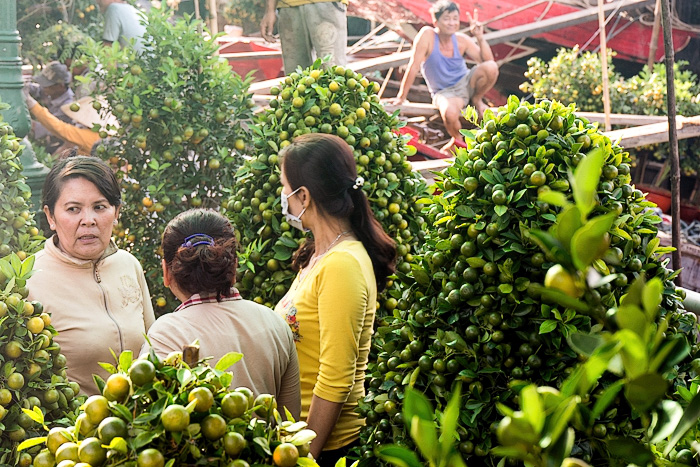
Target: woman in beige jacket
[96,293]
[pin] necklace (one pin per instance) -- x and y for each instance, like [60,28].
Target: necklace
[340,235]
[314,259]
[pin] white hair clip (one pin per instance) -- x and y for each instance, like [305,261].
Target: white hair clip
[359,181]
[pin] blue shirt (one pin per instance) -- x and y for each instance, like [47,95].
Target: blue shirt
[441,72]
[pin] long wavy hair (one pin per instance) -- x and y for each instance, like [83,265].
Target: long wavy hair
[325,165]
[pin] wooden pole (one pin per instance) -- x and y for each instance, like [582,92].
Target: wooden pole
[604,64]
[672,139]
[654,36]
[388,73]
[213,18]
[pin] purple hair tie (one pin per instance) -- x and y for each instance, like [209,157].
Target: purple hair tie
[204,240]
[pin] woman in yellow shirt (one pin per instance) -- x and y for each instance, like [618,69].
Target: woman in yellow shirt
[331,304]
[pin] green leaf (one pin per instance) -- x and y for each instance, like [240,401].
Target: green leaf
[548,326]
[688,420]
[584,183]
[560,450]
[415,404]
[125,359]
[669,416]
[476,262]
[588,243]
[111,369]
[227,360]
[568,223]
[555,198]
[532,407]
[675,349]
[557,296]
[424,435]
[645,391]
[500,210]
[118,444]
[465,211]
[505,289]
[145,438]
[399,456]
[631,317]
[651,297]
[605,399]
[450,418]
[31,442]
[123,412]
[631,451]
[651,247]
[585,344]
[35,415]
[27,267]
[559,421]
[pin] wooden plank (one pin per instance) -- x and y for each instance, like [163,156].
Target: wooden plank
[688,127]
[241,56]
[623,119]
[563,21]
[494,37]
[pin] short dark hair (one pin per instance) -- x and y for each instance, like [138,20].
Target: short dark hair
[442,6]
[91,169]
[325,165]
[203,268]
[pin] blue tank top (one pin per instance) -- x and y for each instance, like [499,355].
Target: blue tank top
[441,72]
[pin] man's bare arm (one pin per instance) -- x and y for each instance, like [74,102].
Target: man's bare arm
[419,55]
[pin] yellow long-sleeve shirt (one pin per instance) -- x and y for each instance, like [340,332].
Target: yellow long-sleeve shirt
[331,309]
[84,138]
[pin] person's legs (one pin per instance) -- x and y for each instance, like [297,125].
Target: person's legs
[294,36]
[328,29]
[450,110]
[482,78]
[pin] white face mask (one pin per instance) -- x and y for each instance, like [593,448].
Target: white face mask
[294,221]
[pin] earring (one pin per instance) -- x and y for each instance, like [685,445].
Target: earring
[115,222]
[52,226]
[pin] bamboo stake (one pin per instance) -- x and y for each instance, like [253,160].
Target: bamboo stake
[213,18]
[653,45]
[673,140]
[604,60]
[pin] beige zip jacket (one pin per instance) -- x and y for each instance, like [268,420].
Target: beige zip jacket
[94,306]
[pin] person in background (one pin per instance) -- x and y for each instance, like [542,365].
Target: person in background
[84,138]
[96,293]
[438,52]
[331,304]
[199,267]
[123,23]
[53,86]
[308,29]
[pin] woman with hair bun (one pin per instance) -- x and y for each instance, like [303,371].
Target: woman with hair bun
[332,302]
[199,267]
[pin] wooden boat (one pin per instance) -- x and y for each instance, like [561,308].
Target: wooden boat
[629,34]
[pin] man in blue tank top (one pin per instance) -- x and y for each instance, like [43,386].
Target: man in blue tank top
[439,53]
